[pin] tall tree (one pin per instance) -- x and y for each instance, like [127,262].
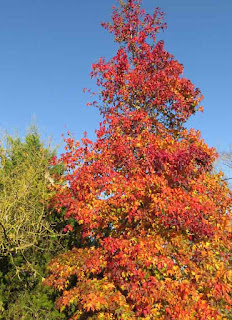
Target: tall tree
[156,232]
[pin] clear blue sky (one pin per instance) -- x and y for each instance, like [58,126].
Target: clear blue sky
[48,46]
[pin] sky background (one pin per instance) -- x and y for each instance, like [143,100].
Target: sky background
[48,47]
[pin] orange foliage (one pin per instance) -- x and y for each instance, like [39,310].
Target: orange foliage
[156,231]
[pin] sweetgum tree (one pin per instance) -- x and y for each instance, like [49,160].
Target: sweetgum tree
[155,220]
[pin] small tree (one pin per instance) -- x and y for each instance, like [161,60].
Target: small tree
[24,192]
[225,161]
[29,236]
[155,220]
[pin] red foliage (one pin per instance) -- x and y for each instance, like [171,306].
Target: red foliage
[142,74]
[156,231]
